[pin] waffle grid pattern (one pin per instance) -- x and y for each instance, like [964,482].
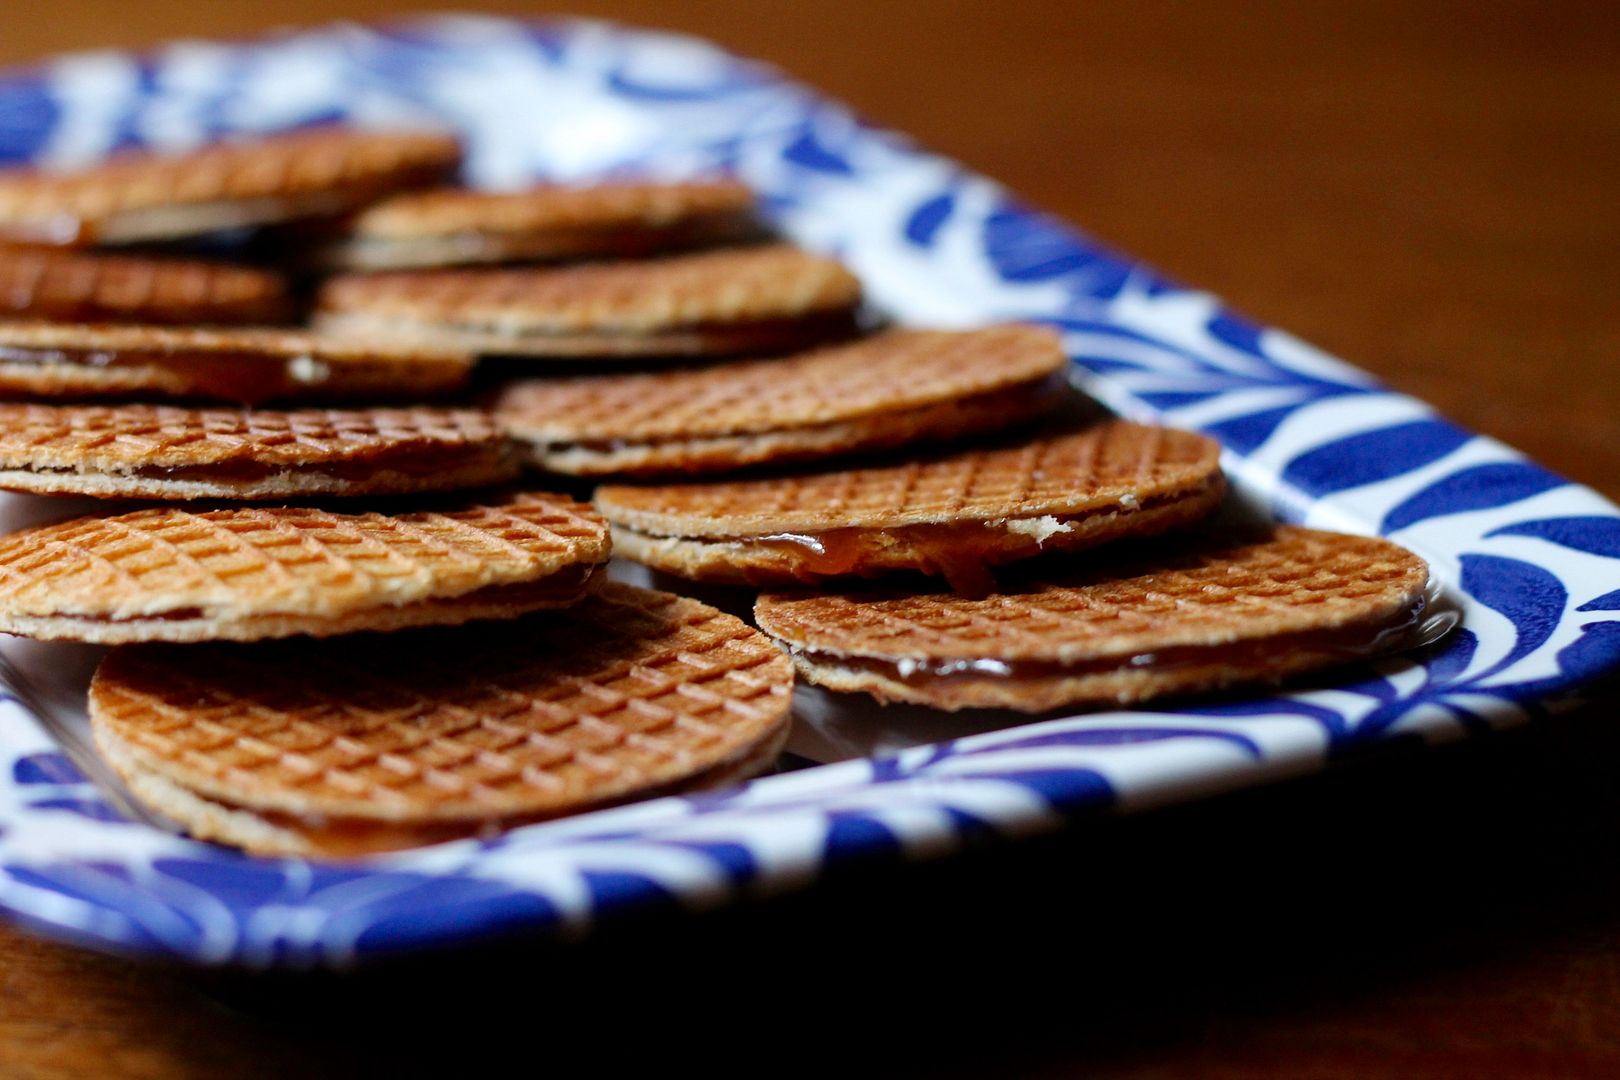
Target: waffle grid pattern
[46,284]
[601,207]
[631,690]
[890,372]
[247,561]
[236,342]
[1297,580]
[127,437]
[1066,474]
[728,286]
[1530,581]
[319,162]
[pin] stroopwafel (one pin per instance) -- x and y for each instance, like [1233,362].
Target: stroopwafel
[719,303]
[895,388]
[458,227]
[75,286]
[239,365]
[1206,616]
[146,195]
[951,515]
[167,452]
[249,573]
[389,742]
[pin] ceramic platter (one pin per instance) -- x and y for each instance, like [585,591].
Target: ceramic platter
[1530,561]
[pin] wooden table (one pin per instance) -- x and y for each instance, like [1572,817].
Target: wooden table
[1431,194]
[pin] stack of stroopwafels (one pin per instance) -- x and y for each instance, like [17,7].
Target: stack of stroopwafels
[346,630]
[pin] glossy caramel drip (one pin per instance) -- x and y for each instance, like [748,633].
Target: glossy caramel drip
[961,553]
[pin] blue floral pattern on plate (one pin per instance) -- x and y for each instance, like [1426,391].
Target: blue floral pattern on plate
[1532,560]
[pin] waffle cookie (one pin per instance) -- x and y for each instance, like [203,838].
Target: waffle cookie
[145,196]
[456,227]
[894,388]
[950,516]
[243,365]
[249,573]
[1194,619]
[390,742]
[164,452]
[70,286]
[761,299]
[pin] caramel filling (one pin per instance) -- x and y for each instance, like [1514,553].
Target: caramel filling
[810,327]
[246,377]
[262,309]
[1341,644]
[561,241]
[189,218]
[960,552]
[410,461]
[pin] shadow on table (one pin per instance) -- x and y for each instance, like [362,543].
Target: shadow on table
[1408,914]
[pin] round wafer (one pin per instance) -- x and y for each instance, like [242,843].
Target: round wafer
[242,365]
[144,195]
[458,227]
[248,573]
[1193,618]
[950,515]
[746,300]
[389,741]
[167,452]
[894,388]
[73,286]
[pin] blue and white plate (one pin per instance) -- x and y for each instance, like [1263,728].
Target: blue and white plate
[1532,561]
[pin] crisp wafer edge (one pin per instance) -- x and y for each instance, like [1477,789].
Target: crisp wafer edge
[364,252]
[883,431]
[258,832]
[1116,688]
[347,380]
[489,466]
[436,611]
[790,334]
[1003,541]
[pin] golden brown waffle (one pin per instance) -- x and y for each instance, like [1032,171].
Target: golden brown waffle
[1189,619]
[951,515]
[384,742]
[164,452]
[150,196]
[453,226]
[248,573]
[67,286]
[893,388]
[244,365]
[755,299]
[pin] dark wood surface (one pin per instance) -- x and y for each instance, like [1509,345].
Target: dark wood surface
[1426,190]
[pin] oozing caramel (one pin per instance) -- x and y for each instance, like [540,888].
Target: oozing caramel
[245,377]
[960,553]
[1342,644]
